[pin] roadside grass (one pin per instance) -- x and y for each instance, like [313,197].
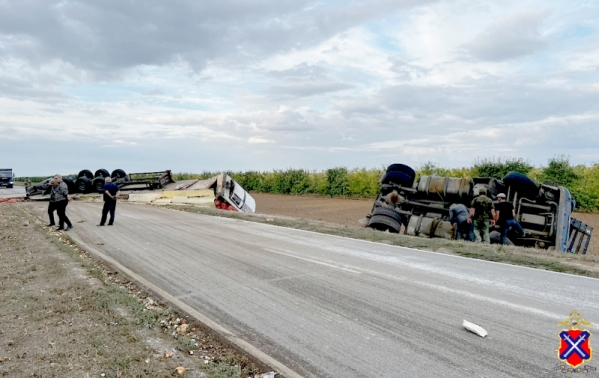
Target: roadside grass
[583,265]
[65,314]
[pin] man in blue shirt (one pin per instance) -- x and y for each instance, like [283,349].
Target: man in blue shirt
[111,191]
[459,215]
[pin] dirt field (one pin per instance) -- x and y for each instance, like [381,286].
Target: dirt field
[347,212]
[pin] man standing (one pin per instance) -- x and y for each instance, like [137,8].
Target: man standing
[27,184]
[111,191]
[52,204]
[482,214]
[459,215]
[506,218]
[61,196]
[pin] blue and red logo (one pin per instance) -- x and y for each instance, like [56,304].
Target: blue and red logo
[575,348]
[575,344]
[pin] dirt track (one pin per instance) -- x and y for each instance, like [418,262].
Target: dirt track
[347,212]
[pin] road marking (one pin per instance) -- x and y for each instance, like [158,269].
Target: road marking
[313,261]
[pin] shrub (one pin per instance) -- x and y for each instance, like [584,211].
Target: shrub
[498,168]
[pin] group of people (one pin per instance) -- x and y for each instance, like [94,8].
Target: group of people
[473,223]
[59,199]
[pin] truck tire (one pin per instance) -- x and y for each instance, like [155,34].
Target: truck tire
[397,178]
[70,184]
[522,184]
[83,184]
[385,211]
[86,173]
[402,168]
[118,173]
[384,223]
[98,184]
[102,173]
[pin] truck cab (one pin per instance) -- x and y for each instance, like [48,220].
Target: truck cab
[7,177]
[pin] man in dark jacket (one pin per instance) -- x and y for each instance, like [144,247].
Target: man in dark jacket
[52,204]
[111,191]
[505,218]
[60,193]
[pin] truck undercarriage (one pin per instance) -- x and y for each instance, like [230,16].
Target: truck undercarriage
[420,207]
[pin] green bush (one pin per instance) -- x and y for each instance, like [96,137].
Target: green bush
[581,180]
[484,167]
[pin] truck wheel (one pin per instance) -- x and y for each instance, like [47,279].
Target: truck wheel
[402,168]
[387,212]
[83,184]
[98,184]
[9,186]
[384,223]
[70,184]
[522,184]
[86,173]
[102,173]
[397,178]
[118,173]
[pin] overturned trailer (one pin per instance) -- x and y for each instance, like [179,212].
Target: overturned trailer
[421,206]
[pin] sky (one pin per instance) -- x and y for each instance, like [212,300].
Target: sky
[197,86]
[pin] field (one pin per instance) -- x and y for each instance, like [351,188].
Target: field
[347,212]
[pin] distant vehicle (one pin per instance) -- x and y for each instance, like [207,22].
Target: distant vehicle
[422,207]
[44,187]
[88,182]
[7,178]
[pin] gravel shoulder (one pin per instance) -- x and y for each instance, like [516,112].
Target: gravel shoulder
[65,314]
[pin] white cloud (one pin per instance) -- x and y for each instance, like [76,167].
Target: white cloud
[258,140]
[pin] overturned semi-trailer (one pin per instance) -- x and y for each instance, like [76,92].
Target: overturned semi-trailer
[421,206]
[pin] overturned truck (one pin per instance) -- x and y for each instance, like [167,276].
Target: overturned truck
[421,206]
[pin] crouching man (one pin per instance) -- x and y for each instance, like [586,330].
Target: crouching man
[458,217]
[506,218]
[111,191]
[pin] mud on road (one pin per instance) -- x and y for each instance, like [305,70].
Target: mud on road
[347,212]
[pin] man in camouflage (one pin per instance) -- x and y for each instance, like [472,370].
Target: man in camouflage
[482,214]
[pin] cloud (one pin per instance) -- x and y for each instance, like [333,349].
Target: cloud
[258,140]
[309,89]
[509,38]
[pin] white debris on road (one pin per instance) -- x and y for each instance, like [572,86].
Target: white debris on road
[475,328]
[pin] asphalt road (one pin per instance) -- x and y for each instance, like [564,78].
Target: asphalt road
[14,192]
[326,306]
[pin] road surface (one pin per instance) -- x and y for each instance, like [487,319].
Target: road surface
[14,192]
[325,306]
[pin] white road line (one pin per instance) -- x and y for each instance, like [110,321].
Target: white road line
[312,261]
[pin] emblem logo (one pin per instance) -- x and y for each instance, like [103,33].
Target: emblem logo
[575,348]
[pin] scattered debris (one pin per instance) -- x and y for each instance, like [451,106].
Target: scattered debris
[475,328]
[270,374]
[168,355]
[180,370]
